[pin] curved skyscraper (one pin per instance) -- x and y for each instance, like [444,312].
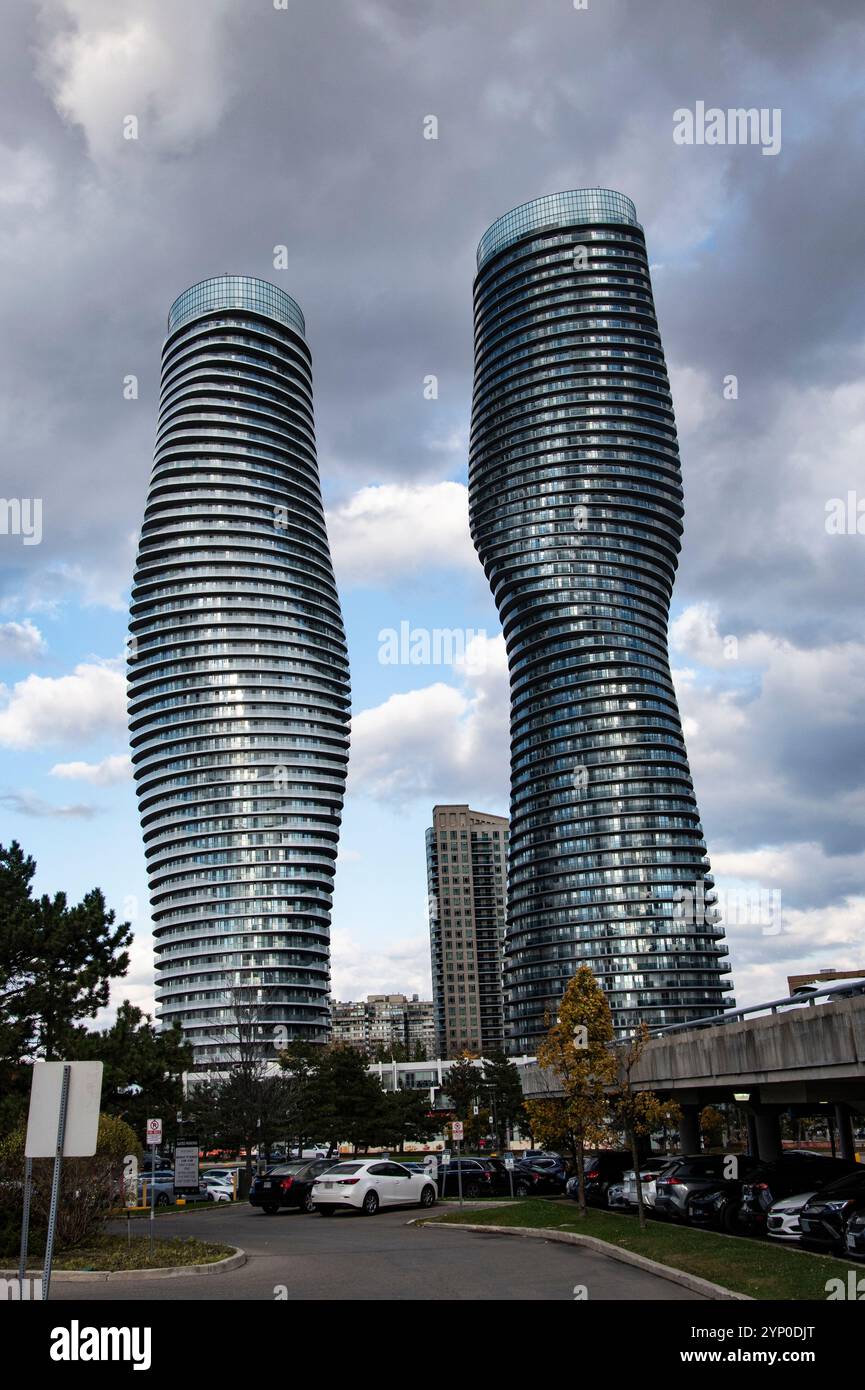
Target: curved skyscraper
[239,686]
[576,514]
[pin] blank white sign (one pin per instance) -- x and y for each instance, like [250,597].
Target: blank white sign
[82,1110]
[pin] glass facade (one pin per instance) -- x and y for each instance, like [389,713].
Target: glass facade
[238,679]
[576,513]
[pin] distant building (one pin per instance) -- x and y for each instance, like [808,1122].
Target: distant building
[823,977]
[386,1022]
[467,880]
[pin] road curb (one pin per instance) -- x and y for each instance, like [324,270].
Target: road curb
[614,1252]
[120,1276]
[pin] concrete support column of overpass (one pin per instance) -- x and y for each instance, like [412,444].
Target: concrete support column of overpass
[689,1129]
[844,1124]
[767,1126]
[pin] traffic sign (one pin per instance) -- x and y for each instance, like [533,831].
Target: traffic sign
[509,1162]
[446,1158]
[81,1119]
[154,1132]
[457,1129]
[186,1165]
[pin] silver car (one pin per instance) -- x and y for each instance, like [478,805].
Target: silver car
[650,1168]
[782,1220]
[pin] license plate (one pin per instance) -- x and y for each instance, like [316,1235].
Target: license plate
[327,1184]
[267,1184]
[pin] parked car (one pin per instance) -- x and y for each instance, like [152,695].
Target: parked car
[366,1185]
[480,1177]
[163,1183]
[220,1189]
[649,1170]
[795,1171]
[535,1179]
[782,1218]
[602,1169]
[696,1187]
[288,1185]
[825,1218]
[616,1197]
[221,1174]
[855,1236]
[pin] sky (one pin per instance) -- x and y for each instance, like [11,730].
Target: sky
[258,126]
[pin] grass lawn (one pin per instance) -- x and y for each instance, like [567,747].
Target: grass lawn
[115,1252]
[754,1267]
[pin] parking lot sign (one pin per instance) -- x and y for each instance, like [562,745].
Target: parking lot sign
[186,1165]
[154,1132]
[457,1128]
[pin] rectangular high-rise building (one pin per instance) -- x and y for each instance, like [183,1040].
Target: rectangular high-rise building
[467,880]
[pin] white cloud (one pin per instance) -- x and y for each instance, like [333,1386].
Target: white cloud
[42,710]
[164,63]
[358,969]
[385,533]
[113,769]
[21,641]
[438,742]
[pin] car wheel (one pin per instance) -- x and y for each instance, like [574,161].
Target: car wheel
[370,1204]
[325,1211]
[269,1209]
[473,1189]
[730,1219]
[162,1199]
[427,1197]
[521,1189]
[308,1205]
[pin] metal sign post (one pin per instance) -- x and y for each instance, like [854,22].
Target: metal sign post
[457,1130]
[154,1139]
[55,1182]
[62,1122]
[509,1164]
[25,1223]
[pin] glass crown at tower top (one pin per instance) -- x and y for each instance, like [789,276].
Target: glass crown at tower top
[236,292]
[565,209]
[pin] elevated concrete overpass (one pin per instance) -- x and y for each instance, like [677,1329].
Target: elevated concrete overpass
[804,1053]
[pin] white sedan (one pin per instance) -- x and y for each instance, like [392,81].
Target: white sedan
[782,1221]
[367,1184]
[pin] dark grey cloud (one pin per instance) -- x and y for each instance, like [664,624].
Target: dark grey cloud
[261,128]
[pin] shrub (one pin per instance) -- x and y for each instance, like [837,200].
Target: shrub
[89,1188]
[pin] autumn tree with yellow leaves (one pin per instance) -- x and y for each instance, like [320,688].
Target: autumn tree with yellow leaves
[579,1062]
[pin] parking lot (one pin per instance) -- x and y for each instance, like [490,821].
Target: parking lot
[295,1256]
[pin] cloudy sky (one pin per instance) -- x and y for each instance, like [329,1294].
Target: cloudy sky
[261,125]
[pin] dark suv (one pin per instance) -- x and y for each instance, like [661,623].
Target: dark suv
[540,1177]
[823,1220]
[784,1177]
[288,1185]
[602,1170]
[703,1188]
[480,1178]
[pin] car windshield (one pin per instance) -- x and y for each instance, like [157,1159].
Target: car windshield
[851,1185]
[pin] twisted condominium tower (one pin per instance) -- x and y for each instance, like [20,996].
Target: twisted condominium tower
[576,513]
[239,689]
